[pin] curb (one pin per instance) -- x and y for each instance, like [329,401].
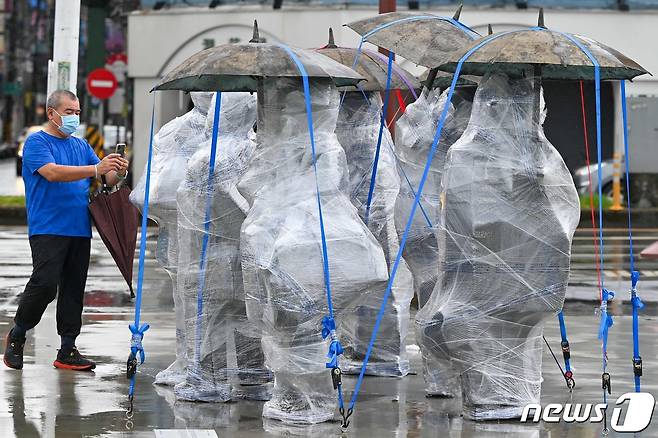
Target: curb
[13,216]
[640,218]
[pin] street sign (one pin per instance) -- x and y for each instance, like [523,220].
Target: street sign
[101,83]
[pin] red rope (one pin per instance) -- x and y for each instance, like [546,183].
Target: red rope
[591,191]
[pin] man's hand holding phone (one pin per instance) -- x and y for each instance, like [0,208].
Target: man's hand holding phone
[113,162]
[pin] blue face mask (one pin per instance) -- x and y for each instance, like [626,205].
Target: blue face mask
[70,123]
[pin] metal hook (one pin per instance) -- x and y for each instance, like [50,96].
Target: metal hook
[130,411]
[345,416]
[571,383]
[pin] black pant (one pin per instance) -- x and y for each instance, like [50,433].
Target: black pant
[59,264]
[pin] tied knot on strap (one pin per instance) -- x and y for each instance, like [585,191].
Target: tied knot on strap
[606,318]
[635,277]
[637,302]
[335,348]
[136,347]
[328,327]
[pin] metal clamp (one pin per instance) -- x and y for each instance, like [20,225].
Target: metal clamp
[637,366]
[605,382]
[336,379]
[566,351]
[131,366]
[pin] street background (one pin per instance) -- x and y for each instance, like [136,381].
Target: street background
[138,41]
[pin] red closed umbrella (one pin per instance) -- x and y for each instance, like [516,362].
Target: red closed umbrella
[116,220]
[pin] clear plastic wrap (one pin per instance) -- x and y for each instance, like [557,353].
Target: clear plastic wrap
[509,213]
[173,146]
[225,356]
[281,245]
[357,130]
[415,132]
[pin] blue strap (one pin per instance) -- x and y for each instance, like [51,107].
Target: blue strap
[637,306]
[636,302]
[206,229]
[309,119]
[437,137]
[563,335]
[382,124]
[599,149]
[405,235]
[137,330]
[328,322]
[399,166]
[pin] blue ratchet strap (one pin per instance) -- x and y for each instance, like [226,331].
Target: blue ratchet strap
[566,351]
[206,229]
[405,235]
[382,124]
[636,302]
[328,322]
[137,330]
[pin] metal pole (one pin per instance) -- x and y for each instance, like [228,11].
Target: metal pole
[617,154]
[63,69]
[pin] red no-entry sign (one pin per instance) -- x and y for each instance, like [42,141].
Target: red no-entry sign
[101,83]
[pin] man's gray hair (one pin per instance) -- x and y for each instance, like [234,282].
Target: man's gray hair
[55,98]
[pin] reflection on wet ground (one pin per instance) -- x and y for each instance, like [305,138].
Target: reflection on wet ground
[43,401]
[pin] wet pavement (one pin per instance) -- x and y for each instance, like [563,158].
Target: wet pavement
[43,401]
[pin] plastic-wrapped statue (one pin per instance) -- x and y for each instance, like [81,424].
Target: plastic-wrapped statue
[510,210]
[281,245]
[173,146]
[357,130]
[415,132]
[225,356]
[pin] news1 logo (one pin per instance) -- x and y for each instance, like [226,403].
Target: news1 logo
[638,412]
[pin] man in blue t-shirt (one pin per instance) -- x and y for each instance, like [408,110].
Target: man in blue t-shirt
[56,170]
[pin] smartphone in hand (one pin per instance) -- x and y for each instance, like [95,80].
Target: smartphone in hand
[121,149]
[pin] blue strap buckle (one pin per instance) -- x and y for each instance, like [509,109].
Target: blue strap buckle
[635,277]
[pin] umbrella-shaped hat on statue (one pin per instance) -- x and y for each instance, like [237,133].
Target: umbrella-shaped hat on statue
[371,65]
[237,67]
[424,39]
[549,53]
